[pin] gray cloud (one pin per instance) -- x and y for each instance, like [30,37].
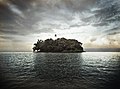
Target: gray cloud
[4,16]
[100,24]
[26,17]
[113,31]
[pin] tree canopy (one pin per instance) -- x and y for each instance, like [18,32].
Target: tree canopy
[58,45]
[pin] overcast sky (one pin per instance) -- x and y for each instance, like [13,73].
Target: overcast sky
[95,23]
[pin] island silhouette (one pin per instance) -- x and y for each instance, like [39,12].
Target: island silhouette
[58,45]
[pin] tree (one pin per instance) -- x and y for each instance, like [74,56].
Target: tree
[58,45]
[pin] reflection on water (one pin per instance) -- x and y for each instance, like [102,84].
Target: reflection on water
[57,66]
[60,70]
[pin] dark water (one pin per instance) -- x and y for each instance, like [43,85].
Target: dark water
[60,70]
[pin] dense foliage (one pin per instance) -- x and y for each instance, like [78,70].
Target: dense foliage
[58,45]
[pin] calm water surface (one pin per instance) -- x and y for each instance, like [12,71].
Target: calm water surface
[89,70]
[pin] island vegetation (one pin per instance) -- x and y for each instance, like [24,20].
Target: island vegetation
[58,45]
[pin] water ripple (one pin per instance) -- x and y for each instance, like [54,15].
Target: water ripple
[59,70]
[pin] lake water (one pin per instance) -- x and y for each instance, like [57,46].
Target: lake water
[88,70]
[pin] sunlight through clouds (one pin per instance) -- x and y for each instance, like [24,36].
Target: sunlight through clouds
[95,23]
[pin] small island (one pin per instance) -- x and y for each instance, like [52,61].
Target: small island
[61,45]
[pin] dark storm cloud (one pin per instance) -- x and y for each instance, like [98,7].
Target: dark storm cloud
[8,31]
[25,13]
[44,30]
[113,31]
[9,38]
[78,5]
[24,17]
[106,17]
[12,17]
[5,13]
[100,24]
[21,4]
[6,38]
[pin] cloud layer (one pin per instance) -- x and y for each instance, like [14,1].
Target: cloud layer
[94,22]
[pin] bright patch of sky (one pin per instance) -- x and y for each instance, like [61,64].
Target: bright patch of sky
[95,23]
